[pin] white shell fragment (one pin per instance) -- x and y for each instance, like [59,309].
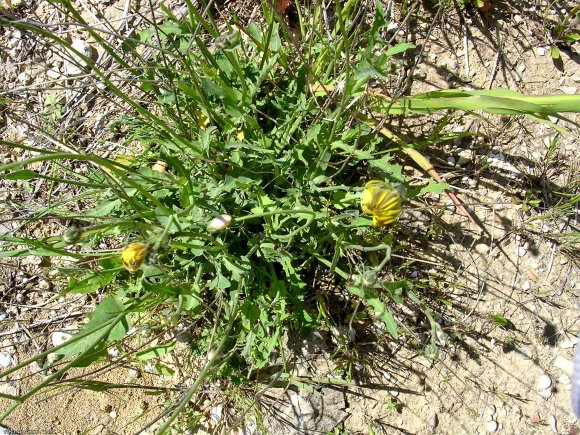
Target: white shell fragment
[76,64]
[59,338]
[492,426]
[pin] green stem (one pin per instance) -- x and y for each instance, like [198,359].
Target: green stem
[209,366]
[274,213]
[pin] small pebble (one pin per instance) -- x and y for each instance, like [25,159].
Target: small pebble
[541,51]
[113,414]
[546,394]
[452,65]
[451,160]
[216,413]
[526,285]
[481,248]
[534,418]
[492,426]
[433,421]
[552,423]
[5,359]
[23,78]
[59,338]
[569,90]
[521,251]
[420,74]
[3,315]
[544,382]
[392,27]
[564,379]
[77,64]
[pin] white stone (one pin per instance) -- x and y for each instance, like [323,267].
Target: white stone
[59,338]
[481,248]
[113,414]
[5,359]
[3,315]
[77,64]
[521,251]
[552,423]
[452,65]
[23,78]
[570,90]
[526,285]
[216,413]
[451,160]
[544,382]
[420,74]
[492,426]
[564,379]
[546,394]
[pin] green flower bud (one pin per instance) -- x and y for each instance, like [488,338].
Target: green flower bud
[71,235]
[369,278]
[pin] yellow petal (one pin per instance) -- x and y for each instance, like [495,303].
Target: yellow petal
[134,255]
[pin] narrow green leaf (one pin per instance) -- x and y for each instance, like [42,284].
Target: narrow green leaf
[155,351]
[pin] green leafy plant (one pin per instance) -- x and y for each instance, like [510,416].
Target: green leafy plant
[250,155]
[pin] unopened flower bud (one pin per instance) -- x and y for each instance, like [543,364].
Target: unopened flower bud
[369,278]
[159,166]
[219,223]
[71,235]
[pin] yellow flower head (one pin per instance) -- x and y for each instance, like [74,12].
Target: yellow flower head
[382,201]
[201,118]
[134,255]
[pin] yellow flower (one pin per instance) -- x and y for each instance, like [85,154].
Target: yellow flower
[240,135]
[134,255]
[201,118]
[382,201]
